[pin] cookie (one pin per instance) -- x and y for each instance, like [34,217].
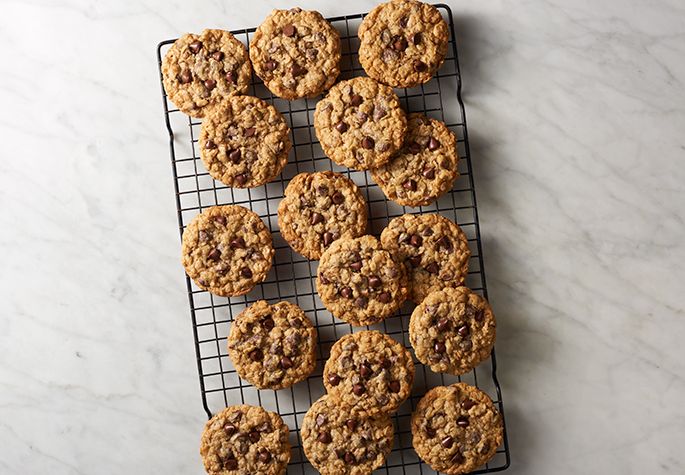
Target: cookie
[245,439]
[201,71]
[426,166]
[403,43]
[369,373]
[434,251]
[296,53]
[338,442]
[453,330]
[359,282]
[227,250]
[456,429]
[244,142]
[320,208]
[272,346]
[360,123]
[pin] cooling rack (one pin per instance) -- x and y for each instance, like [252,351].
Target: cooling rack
[292,276]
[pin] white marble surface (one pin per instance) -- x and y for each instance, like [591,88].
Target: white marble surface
[576,113]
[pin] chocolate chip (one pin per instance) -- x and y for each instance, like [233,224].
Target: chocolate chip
[320,420]
[351,424]
[323,279]
[214,254]
[324,438]
[430,432]
[365,371]
[485,448]
[458,458]
[231,77]
[288,30]
[371,455]
[254,437]
[286,363]
[410,185]
[414,148]
[229,429]
[210,84]
[479,315]
[433,144]
[296,70]
[265,457]
[447,442]
[210,145]
[357,266]
[316,218]
[256,355]
[268,324]
[419,66]
[463,330]
[333,379]
[368,143]
[374,281]
[415,261]
[385,363]
[465,345]
[246,272]
[346,292]
[230,464]
[195,46]
[443,324]
[461,422]
[341,127]
[271,65]
[221,267]
[241,179]
[403,21]
[338,197]
[218,55]
[250,132]
[394,386]
[339,453]
[433,268]
[186,77]
[401,44]
[358,389]
[439,347]
[327,238]
[445,243]
[384,297]
[416,240]
[467,404]
[234,155]
[415,38]
[238,243]
[356,100]
[429,173]
[349,458]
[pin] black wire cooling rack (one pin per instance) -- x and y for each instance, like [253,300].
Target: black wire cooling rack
[292,276]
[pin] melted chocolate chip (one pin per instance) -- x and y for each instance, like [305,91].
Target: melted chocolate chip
[443,324]
[254,437]
[231,77]
[461,422]
[324,438]
[316,218]
[358,389]
[186,77]
[239,243]
[210,84]
[333,379]
[384,297]
[429,173]
[463,330]
[415,261]
[349,458]
[430,432]
[346,292]
[467,404]
[210,145]
[445,243]
[250,132]
[288,30]
[439,347]
[265,457]
[218,55]
[458,458]
[341,127]
[195,46]
[447,442]
[356,100]
[479,315]
[230,464]
[297,70]
[415,38]
[351,424]
[365,371]
[465,345]
[214,254]
[368,143]
[268,324]
[414,148]
[241,179]
[286,363]
[246,272]
[327,239]
[416,240]
[229,429]
[374,281]
[433,268]
[419,66]
[385,363]
[394,386]
[337,197]
[256,355]
[433,144]
[401,44]
[410,185]
[271,65]
[320,420]
[485,448]
[234,155]
[357,266]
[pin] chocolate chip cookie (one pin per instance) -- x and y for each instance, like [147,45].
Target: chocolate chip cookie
[227,250]
[296,53]
[456,429]
[360,123]
[272,346]
[337,441]
[201,71]
[245,439]
[359,282]
[434,251]
[369,373]
[426,166]
[403,43]
[244,142]
[318,209]
[453,330]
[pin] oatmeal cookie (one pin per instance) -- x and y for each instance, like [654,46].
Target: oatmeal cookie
[434,251]
[201,71]
[272,346]
[244,142]
[426,166]
[359,282]
[320,208]
[369,373]
[403,43]
[338,442]
[227,250]
[245,439]
[360,123]
[456,429]
[296,52]
[453,330]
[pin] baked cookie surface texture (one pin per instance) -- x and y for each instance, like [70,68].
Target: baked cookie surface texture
[199,71]
[296,53]
[456,429]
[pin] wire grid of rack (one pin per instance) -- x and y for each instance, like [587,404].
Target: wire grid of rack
[292,276]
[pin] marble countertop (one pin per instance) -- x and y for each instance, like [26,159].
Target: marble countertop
[576,114]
